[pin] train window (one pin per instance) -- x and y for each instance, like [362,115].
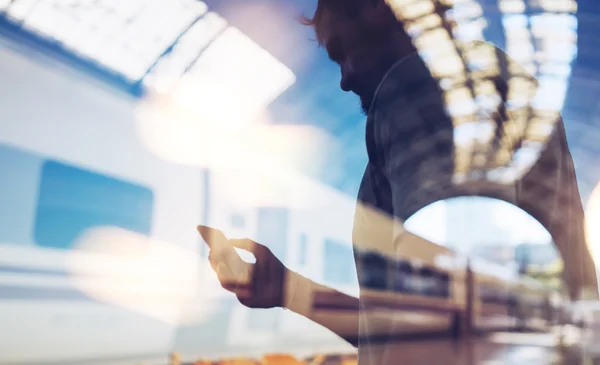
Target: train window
[403,277]
[373,271]
[72,200]
[491,294]
[486,294]
[433,283]
[443,285]
[428,282]
[18,186]
[339,263]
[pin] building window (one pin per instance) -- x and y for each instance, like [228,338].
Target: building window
[403,277]
[302,249]
[338,263]
[72,200]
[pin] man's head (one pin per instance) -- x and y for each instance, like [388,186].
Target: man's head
[364,38]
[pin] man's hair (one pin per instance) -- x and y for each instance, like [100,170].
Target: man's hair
[348,8]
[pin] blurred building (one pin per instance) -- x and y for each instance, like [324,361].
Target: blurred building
[536,254]
[499,253]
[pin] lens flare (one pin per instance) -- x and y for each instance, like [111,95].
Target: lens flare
[151,277]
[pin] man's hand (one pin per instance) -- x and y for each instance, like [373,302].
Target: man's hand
[258,285]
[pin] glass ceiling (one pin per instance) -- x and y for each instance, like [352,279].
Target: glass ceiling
[147,45]
[140,44]
[541,38]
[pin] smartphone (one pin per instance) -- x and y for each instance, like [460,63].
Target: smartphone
[220,246]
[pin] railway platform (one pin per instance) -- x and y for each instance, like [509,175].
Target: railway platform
[563,346]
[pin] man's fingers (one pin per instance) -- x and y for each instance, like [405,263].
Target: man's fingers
[225,275]
[211,235]
[232,284]
[244,244]
[258,250]
[240,275]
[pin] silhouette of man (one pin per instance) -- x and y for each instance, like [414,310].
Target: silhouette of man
[411,149]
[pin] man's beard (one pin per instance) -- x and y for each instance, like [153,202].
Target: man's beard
[365,103]
[364,106]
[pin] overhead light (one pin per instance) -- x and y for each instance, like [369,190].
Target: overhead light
[415,10]
[512,6]
[131,39]
[566,6]
[466,11]
[232,82]
[169,69]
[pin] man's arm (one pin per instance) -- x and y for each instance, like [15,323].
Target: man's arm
[300,294]
[301,297]
[270,284]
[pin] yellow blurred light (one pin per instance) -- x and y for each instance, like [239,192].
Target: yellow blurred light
[458,120]
[148,276]
[458,95]
[274,152]
[446,66]
[280,359]
[438,38]
[502,156]
[484,87]
[397,3]
[484,74]
[407,11]
[479,54]
[273,155]
[543,130]
[567,6]
[233,81]
[237,361]
[429,21]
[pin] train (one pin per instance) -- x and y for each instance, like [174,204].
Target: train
[100,258]
[427,289]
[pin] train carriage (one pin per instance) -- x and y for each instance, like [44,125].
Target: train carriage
[495,296]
